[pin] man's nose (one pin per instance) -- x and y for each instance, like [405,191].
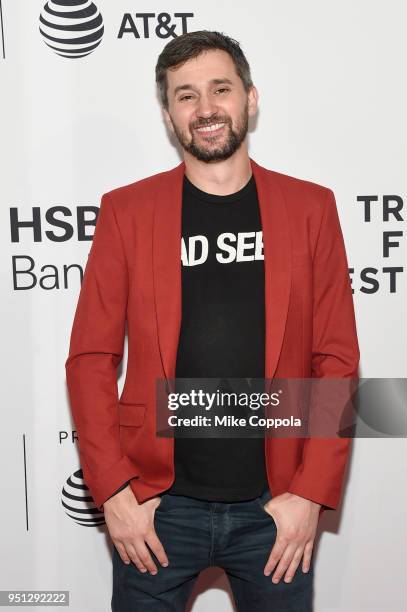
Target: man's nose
[206,107]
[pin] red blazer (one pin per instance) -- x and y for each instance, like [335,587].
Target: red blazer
[133,275]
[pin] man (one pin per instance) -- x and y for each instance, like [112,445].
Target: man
[229,309]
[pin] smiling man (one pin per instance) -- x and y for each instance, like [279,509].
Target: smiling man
[220,268]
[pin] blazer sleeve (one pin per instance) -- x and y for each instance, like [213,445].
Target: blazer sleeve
[95,351]
[335,354]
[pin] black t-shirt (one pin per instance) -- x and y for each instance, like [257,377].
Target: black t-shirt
[222,333]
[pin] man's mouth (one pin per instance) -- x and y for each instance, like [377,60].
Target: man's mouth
[210,129]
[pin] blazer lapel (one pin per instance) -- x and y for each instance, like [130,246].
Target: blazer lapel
[277,262]
[167,267]
[167,228]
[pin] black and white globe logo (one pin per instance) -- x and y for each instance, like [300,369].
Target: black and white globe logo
[78,502]
[72,28]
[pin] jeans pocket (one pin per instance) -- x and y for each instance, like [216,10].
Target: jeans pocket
[261,501]
[164,497]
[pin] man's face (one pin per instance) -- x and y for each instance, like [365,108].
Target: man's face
[208,107]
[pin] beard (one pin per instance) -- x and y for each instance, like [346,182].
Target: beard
[209,151]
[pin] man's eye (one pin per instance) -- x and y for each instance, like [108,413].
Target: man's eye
[222,89]
[185,97]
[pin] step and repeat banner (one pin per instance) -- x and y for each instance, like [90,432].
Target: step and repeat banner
[79,118]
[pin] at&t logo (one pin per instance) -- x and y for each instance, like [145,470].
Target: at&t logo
[78,502]
[72,28]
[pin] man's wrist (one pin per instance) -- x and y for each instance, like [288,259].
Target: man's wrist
[315,504]
[118,490]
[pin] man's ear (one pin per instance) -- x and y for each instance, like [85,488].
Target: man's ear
[167,119]
[253,99]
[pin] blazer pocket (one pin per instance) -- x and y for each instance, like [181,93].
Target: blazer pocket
[131,414]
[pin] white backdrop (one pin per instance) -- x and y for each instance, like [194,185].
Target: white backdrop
[331,77]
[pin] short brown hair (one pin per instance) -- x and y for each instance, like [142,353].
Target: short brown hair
[189,45]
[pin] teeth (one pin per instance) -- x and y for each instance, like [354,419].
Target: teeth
[210,128]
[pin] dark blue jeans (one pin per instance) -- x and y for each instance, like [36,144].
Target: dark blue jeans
[196,534]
